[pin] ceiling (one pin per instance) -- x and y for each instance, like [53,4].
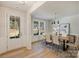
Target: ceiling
[57,9]
[20,5]
[49,10]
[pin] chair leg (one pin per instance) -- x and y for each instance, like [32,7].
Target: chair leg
[72,51]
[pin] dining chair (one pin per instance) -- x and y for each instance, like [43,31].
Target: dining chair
[56,44]
[48,41]
[73,47]
[75,44]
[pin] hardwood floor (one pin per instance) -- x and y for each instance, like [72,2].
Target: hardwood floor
[38,51]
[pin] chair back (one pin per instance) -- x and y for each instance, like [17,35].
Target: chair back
[72,38]
[48,38]
[77,41]
[56,40]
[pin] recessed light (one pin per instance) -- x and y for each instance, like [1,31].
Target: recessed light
[22,2]
[17,7]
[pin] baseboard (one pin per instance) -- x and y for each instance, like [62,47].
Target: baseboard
[36,41]
[12,50]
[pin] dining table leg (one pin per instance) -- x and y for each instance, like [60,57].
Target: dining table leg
[65,47]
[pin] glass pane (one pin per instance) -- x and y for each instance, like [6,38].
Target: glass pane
[41,28]
[36,28]
[14,31]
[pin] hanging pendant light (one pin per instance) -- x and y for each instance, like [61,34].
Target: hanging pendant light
[55,18]
[54,22]
[58,22]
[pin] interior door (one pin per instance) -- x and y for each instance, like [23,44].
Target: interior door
[14,37]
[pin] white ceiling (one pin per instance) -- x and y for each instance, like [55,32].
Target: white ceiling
[48,9]
[61,8]
[20,5]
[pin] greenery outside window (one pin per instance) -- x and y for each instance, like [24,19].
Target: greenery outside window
[36,28]
[41,28]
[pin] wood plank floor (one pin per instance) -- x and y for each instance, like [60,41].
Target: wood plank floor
[38,51]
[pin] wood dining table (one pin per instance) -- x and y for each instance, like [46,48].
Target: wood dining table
[64,40]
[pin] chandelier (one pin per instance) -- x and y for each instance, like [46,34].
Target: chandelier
[56,21]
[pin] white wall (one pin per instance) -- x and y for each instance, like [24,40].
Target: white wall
[74,23]
[50,26]
[3,36]
[72,20]
[28,30]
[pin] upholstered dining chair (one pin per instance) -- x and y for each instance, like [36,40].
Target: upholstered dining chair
[48,41]
[73,46]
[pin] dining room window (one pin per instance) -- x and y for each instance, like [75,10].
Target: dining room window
[41,28]
[38,27]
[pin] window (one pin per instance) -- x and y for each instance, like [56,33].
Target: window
[41,28]
[36,28]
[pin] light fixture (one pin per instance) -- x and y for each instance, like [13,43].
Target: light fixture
[22,2]
[55,17]
[58,22]
[54,22]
